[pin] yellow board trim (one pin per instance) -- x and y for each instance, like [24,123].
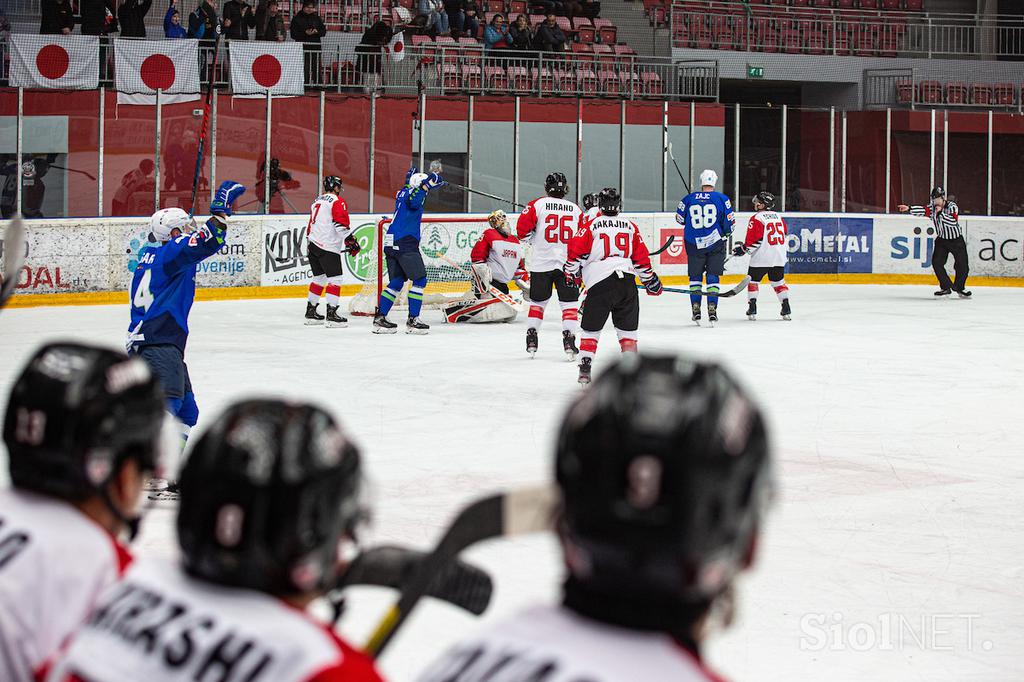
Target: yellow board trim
[299,291]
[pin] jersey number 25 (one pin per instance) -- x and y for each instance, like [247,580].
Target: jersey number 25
[775,234]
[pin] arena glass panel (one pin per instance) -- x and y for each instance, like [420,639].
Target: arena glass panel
[760,153]
[911,157]
[493,153]
[547,143]
[865,162]
[9,165]
[445,142]
[347,147]
[294,144]
[643,150]
[394,139]
[807,157]
[966,181]
[128,158]
[241,145]
[181,124]
[601,150]
[1007,169]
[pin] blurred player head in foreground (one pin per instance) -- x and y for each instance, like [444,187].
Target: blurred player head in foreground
[270,496]
[665,471]
[84,425]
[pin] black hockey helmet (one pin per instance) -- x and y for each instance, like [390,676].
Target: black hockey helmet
[556,185]
[767,199]
[664,469]
[267,494]
[75,414]
[332,183]
[609,201]
[590,201]
[938,192]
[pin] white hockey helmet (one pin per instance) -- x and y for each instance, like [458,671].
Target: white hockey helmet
[708,178]
[418,179]
[166,220]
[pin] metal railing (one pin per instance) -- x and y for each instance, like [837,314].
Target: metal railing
[908,88]
[836,33]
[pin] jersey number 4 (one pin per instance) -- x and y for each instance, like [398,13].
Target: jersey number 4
[702,217]
[622,244]
[143,297]
[558,229]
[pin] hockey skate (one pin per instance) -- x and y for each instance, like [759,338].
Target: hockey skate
[786,312]
[569,344]
[381,325]
[712,313]
[414,326]
[531,342]
[585,367]
[333,319]
[752,309]
[696,313]
[943,292]
[312,316]
[963,293]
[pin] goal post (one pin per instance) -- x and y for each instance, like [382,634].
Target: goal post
[441,237]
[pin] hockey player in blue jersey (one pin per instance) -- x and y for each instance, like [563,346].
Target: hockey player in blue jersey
[402,252]
[163,290]
[707,218]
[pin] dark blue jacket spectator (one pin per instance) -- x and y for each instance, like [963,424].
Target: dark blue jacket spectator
[172,28]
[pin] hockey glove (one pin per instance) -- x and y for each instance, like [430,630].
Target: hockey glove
[224,200]
[653,285]
[412,171]
[352,246]
[573,279]
[435,180]
[739,250]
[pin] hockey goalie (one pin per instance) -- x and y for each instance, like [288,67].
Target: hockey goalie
[497,259]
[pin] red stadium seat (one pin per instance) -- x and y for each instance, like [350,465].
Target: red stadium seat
[450,77]
[844,4]
[930,92]
[864,43]
[472,77]
[815,42]
[608,82]
[701,39]
[586,82]
[518,79]
[791,41]
[494,5]
[651,84]
[904,92]
[582,52]
[887,44]
[914,5]
[1004,93]
[543,79]
[981,94]
[956,93]
[495,78]
[517,7]
[869,4]
[604,55]
[631,84]
[890,4]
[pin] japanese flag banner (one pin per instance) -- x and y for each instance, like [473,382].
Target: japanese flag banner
[396,48]
[259,66]
[51,61]
[144,66]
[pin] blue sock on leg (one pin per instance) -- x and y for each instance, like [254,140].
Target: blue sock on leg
[712,286]
[416,296]
[388,296]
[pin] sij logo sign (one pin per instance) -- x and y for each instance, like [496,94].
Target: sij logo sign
[676,253]
[919,247]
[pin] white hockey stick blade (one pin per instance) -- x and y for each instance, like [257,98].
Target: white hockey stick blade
[14,255]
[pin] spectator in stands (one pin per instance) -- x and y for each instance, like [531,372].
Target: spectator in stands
[132,17]
[549,37]
[56,17]
[456,17]
[238,19]
[591,8]
[202,22]
[97,18]
[172,23]
[472,24]
[370,51]
[5,26]
[496,34]
[521,34]
[269,22]
[433,12]
[308,28]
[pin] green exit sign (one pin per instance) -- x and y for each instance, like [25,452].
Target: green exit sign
[755,71]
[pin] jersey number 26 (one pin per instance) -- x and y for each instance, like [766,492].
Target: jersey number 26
[558,229]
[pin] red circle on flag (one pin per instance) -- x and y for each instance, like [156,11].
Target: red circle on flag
[157,72]
[266,70]
[52,62]
[398,47]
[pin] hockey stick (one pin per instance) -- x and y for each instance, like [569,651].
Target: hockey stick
[668,243]
[459,583]
[728,293]
[506,514]
[14,254]
[74,170]
[205,125]
[485,194]
[673,157]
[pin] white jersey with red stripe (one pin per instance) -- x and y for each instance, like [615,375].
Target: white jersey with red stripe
[611,244]
[54,563]
[503,254]
[161,625]
[552,222]
[589,216]
[329,223]
[555,644]
[766,238]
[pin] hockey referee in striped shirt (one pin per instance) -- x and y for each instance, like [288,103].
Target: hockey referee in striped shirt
[949,239]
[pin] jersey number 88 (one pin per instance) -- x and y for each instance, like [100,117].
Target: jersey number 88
[702,217]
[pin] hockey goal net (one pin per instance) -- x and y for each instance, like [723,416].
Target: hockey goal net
[443,240]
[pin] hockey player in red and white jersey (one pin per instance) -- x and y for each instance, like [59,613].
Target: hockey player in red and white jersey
[606,255]
[83,432]
[766,243]
[496,259]
[664,469]
[590,208]
[550,223]
[270,502]
[329,234]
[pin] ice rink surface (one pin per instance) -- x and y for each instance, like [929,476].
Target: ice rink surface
[896,545]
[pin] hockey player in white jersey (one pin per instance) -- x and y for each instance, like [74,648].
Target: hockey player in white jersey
[550,222]
[270,503]
[83,431]
[766,243]
[664,469]
[496,259]
[329,234]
